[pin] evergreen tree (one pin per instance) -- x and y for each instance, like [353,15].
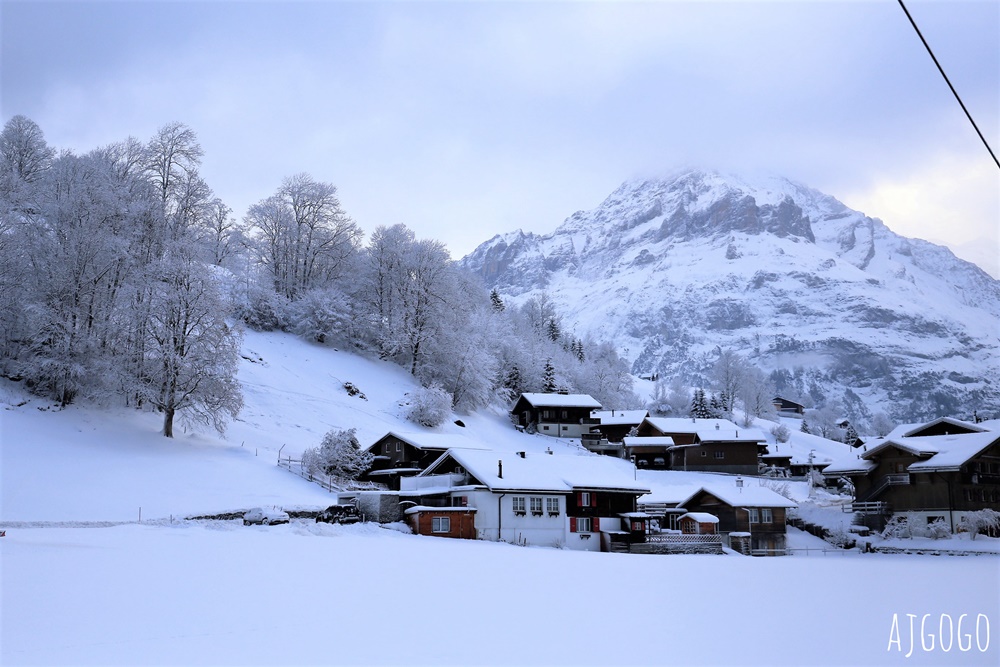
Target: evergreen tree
[805,426]
[549,378]
[851,435]
[497,302]
[552,329]
[699,406]
[512,381]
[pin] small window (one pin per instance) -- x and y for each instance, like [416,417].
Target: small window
[704,453]
[584,499]
[545,428]
[766,516]
[583,524]
[460,501]
[720,455]
[754,517]
[536,505]
[565,414]
[552,505]
[518,504]
[399,446]
[441,524]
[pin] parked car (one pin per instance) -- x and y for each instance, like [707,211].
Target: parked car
[339,514]
[265,516]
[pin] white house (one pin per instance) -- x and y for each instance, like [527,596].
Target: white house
[581,502]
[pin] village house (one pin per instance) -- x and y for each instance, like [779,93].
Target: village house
[614,425]
[710,445]
[404,454]
[751,517]
[785,407]
[938,470]
[579,502]
[559,415]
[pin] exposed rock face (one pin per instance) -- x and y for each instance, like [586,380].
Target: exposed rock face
[828,300]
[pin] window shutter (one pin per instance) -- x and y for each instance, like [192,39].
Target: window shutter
[572,524]
[593,499]
[579,498]
[597,525]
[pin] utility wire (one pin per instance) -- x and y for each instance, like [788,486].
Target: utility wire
[953,91]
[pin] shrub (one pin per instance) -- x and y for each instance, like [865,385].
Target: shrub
[430,406]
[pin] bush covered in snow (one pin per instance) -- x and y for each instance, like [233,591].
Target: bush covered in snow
[780,433]
[339,455]
[938,529]
[429,406]
[981,521]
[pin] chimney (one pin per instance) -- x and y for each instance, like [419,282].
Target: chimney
[548,450]
[521,454]
[500,469]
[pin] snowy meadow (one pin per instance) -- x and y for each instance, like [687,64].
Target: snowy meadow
[85,583]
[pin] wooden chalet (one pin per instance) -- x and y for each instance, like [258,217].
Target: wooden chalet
[784,406]
[559,415]
[698,523]
[581,502]
[649,452]
[404,454]
[614,425]
[755,510]
[937,470]
[710,445]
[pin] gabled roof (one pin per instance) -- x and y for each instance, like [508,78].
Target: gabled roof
[937,453]
[748,496]
[700,517]
[555,473]
[432,441]
[619,417]
[707,430]
[648,441]
[537,400]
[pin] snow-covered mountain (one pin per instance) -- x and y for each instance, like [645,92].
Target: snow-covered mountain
[831,302]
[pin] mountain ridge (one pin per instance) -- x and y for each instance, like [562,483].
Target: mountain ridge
[672,269]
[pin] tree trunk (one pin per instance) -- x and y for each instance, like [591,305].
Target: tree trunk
[168,422]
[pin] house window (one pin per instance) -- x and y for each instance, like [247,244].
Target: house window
[441,524]
[518,502]
[583,499]
[565,414]
[766,516]
[545,428]
[545,414]
[720,455]
[687,527]
[399,446]
[754,518]
[704,453]
[552,505]
[536,505]
[583,524]
[460,501]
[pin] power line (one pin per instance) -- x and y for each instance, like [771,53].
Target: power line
[953,91]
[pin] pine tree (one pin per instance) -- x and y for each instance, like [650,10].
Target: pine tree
[699,406]
[549,378]
[498,304]
[512,380]
[805,426]
[552,329]
[851,435]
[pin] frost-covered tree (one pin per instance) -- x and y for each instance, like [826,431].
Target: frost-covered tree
[882,424]
[756,392]
[191,353]
[320,314]
[699,405]
[23,151]
[980,521]
[339,455]
[429,406]
[496,302]
[728,375]
[303,236]
[549,378]
[781,433]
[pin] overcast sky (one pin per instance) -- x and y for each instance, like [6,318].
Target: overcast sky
[467,119]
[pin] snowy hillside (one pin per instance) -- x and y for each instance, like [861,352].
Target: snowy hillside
[822,296]
[84,583]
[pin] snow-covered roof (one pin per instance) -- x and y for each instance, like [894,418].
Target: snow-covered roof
[440,441]
[747,496]
[946,452]
[651,441]
[556,473]
[701,517]
[707,430]
[848,465]
[619,417]
[425,508]
[539,400]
